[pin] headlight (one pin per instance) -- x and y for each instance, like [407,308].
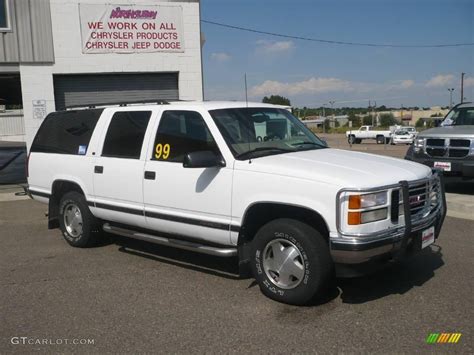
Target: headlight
[367,201]
[419,142]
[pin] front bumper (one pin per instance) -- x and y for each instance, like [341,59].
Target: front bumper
[355,259]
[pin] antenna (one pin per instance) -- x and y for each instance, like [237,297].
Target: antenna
[246,97]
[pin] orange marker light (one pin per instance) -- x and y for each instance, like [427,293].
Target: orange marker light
[354,202]
[353,218]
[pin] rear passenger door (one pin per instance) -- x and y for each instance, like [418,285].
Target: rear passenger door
[194,202]
[118,170]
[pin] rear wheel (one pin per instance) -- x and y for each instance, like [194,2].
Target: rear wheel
[380,139]
[291,261]
[78,225]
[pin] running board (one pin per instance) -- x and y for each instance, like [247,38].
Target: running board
[181,244]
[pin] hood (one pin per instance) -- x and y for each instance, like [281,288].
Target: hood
[342,168]
[449,131]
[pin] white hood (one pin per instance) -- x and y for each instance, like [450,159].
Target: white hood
[339,167]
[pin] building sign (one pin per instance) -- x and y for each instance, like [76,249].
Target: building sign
[131,28]
[39,109]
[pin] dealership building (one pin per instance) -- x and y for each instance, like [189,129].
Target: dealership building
[62,54]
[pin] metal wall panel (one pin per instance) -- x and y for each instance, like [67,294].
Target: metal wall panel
[31,38]
[90,89]
[12,123]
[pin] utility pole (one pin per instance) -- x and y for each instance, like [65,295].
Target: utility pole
[451,97]
[332,109]
[462,87]
[324,118]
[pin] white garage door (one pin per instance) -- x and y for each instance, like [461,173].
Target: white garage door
[94,89]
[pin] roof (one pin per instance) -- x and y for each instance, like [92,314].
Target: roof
[465,104]
[208,105]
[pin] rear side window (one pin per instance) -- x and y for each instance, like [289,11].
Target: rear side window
[125,135]
[180,133]
[67,132]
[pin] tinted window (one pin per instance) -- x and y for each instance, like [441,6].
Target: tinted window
[3,14]
[179,133]
[125,135]
[67,132]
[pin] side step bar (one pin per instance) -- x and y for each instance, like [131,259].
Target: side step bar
[181,244]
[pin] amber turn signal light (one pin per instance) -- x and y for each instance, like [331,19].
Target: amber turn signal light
[353,218]
[354,202]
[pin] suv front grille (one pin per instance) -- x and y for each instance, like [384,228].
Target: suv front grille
[435,142]
[447,148]
[423,198]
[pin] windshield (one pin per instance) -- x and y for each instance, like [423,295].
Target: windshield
[255,132]
[459,117]
[402,133]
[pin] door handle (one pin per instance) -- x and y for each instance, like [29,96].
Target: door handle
[98,169]
[150,175]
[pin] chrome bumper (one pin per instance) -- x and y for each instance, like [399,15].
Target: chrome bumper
[394,242]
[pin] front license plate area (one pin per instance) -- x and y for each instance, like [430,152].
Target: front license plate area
[443,165]
[427,237]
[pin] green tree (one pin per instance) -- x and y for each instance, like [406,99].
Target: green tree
[420,123]
[387,120]
[276,100]
[354,119]
[367,120]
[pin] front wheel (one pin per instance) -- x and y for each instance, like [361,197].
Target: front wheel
[78,225]
[351,139]
[291,261]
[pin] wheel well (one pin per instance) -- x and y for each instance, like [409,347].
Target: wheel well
[60,187]
[260,214]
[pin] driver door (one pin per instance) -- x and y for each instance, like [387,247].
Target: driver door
[193,202]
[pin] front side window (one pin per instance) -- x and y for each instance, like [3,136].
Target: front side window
[125,135]
[180,133]
[255,132]
[4,15]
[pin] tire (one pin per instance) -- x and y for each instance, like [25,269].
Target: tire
[306,276]
[358,141]
[351,139]
[380,139]
[78,226]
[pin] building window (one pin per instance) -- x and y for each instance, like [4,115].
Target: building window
[4,16]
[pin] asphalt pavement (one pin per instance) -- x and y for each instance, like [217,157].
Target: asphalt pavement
[131,296]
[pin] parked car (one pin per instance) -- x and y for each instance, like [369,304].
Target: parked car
[12,163]
[402,137]
[412,130]
[195,176]
[449,147]
[368,132]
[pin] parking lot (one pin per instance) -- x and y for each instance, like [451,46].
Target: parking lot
[130,296]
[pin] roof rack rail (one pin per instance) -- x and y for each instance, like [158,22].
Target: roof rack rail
[120,103]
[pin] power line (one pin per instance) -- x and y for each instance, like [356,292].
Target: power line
[320,40]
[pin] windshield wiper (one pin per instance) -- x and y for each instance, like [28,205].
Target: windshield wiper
[262,149]
[299,144]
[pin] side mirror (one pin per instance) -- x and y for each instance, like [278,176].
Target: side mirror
[203,159]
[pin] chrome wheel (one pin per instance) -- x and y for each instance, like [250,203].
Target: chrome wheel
[283,263]
[73,220]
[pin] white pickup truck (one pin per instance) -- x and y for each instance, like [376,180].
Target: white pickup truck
[368,132]
[196,176]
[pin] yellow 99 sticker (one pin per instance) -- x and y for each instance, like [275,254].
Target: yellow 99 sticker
[162,151]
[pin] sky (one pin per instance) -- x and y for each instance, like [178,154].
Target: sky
[312,74]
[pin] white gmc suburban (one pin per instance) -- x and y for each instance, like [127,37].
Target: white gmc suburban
[198,176]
